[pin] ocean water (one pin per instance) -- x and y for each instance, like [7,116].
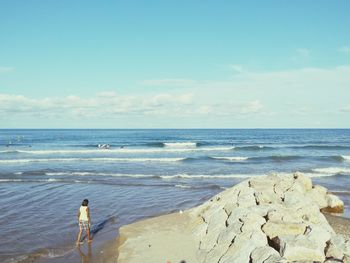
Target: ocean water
[45,174]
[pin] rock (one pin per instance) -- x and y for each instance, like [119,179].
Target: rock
[216,253]
[318,234]
[333,261]
[300,248]
[252,222]
[285,215]
[273,229]
[260,254]
[215,226]
[318,195]
[275,259]
[334,204]
[243,246]
[227,236]
[267,196]
[246,198]
[339,245]
[283,185]
[333,252]
[294,198]
[303,180]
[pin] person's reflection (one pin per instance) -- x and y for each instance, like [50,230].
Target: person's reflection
[85,258]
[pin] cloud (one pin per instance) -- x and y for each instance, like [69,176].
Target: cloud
[250,98]
[6,69]
[168,82]
[100,105]
[344,49]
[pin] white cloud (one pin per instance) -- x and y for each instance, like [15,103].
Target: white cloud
[345,49]
[249,98]
[251,107]
[6,69]
[168,82]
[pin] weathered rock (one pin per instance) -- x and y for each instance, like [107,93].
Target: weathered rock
[260,254]
[334,204]
[334,252]
[300,248]
[243,245]
[215,227]
[303,181]
[285,215]
[267,197]
[273,229]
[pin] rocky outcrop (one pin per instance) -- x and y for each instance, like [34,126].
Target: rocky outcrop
[265,219]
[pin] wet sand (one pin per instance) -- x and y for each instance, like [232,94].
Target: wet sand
[341,225]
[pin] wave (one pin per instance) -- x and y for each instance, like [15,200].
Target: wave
[332,170]
[100,174]
[175,176]
[253,148]
[277,158]
[121,150]
[49,180]
[345,157]
[180,144]
[321,147]
[234,158]
[11,161]
[207,176]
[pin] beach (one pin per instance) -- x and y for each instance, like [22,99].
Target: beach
[144,174]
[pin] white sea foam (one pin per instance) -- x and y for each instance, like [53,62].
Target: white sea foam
[234,158]
[207,176]
[175,176]
[10,180]
[127,150]
[180,144]
[11,161]
[346,157]
[98,174]
[332,170]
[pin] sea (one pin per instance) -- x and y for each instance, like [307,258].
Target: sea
[129,175]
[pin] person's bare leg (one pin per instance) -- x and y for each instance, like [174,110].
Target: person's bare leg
[79,237]
[89,237]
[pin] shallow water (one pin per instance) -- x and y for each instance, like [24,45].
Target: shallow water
[45,174]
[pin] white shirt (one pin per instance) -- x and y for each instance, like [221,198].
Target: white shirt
[83,213]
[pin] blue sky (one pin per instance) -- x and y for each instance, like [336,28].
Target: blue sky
[174,64]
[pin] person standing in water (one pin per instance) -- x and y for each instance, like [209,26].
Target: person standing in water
[84,220]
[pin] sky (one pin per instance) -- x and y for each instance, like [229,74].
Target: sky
[174,64]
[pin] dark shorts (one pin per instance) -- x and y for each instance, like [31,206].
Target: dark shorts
[84,225]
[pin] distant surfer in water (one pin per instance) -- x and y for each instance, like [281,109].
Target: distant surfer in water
[84,221]
[104,146]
